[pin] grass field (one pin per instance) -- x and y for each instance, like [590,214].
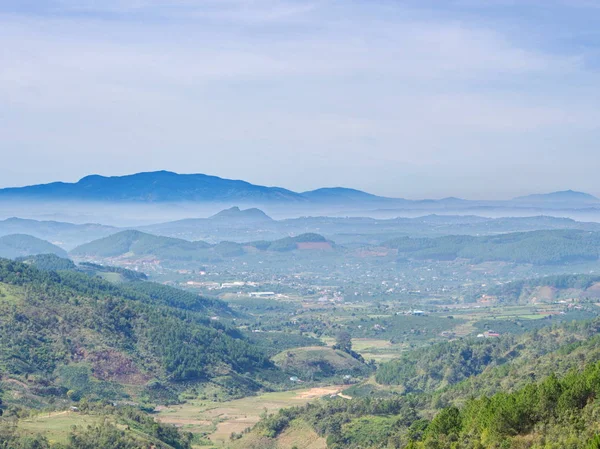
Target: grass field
[377,349]
[56,426]
[218,420]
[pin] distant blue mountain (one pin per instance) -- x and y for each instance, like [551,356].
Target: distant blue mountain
[164,186]
[161,186]
[169,187]
[565,196]
[343,195]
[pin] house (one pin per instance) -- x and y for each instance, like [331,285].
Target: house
[491,334]
[261,294]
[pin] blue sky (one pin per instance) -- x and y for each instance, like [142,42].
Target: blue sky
[479,99]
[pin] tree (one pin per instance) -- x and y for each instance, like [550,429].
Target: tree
[343,342]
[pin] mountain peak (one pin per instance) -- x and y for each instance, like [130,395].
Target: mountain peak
[158,186]
[560,196]
[237,214]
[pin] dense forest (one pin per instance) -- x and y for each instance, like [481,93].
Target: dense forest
[536,247]
[517,290]
[552,413]
[535,390]
[69,334]
[20,245]
[167,248]
[450,363]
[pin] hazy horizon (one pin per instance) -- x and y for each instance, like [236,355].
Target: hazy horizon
[318,187]
[413,99]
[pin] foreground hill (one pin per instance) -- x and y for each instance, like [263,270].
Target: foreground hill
[539,388]
[70,336]
[20,245]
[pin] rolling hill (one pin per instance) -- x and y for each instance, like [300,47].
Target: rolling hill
[237,215]
[140,244]
[71,332]
[535,247]
[565,196]
[547,289]
[154,190]
[20,245]
[65,235]
[342,195]
[317,363]
[512,392]
[136,244]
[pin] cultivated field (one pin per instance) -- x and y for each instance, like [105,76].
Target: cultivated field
[218,420]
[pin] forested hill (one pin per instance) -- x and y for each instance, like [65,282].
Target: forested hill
[137,244]
[66,332]
[513,392]
[583,286]
[19,245]
[449,363]
[535,247]
[554,413]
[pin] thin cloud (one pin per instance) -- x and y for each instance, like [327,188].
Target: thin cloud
[212,86]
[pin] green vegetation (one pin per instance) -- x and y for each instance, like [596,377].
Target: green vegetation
[518,410]
[140,244]
[444,364]
[555,413]
[536,247]
[92,427]
[123,274]
[524,289]
[68,335]
[273,343]
[21,245]
[317,363]
[49,262]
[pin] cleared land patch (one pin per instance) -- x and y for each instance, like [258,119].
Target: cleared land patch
[218,420]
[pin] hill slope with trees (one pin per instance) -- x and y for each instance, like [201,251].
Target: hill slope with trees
[67,335]
[536,247]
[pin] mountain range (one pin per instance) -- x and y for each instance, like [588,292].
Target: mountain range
[168,187]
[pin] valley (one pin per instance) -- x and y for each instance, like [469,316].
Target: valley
[232,331]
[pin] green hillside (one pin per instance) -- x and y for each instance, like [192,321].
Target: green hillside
[20,245]
[48,262]
[555,412]
[140,244]
[449,363]
[67,335]
[536,247]
[536,391]
[315,363]
[548,288]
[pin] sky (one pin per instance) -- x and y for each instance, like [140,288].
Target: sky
[416,99]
